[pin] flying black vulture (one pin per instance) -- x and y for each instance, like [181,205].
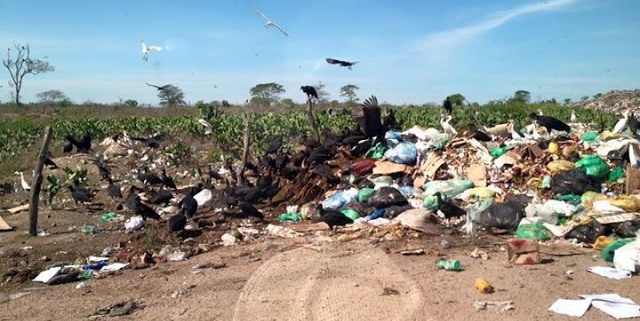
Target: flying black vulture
[447,105]
[550,123]
[158,87]
[342,63]
[310,91]
[367,116]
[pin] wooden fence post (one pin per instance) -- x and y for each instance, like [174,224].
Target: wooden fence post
[37,182]
[312,120]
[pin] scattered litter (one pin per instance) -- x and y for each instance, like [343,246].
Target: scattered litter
[612,304]
[478,253]
[118,309]
[413,252]
[483,286]
[610,272]
[501,306]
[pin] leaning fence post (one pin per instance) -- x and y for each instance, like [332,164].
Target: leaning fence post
[312,120]
[35,185]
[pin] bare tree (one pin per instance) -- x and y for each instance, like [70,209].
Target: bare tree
[21,66]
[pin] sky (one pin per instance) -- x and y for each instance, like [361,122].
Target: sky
[408,52]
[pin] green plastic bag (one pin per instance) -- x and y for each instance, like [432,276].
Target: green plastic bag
[376,152]
[533,231]
[607,253]
[449,188]
[352,214]
[290,217]
[498,151]
[594,166]
[616,174]
[364,194]
[589,136]
[430,202]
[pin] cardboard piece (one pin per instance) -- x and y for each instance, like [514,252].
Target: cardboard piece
[523,251]
[18,209]
[477,173]
[610,218]
[4,226]
[419,181]
[431,165]
[387,168]
[533,151]
[632,179]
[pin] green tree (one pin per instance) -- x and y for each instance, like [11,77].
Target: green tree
[584,98]
[598,95]
[171,96]
[267,92]
[287,102]
[131,103]
[21,65]
[51,97]
[567,101]
[522,96]
[457,99]
[226,103]
[349,92]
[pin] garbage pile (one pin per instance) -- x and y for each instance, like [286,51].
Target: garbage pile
[612,101]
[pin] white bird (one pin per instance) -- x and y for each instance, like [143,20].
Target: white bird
[447,127]
[25,185]
[622,123]
[270,23]
[208,127]
[145,50]
[573,118]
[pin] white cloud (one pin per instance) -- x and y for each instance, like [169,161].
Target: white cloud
[442,42]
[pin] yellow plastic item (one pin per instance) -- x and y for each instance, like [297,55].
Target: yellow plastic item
[554,148]
[626,202]
[589,197]
[602,242]
[481,192]
[483,286]
[560,165]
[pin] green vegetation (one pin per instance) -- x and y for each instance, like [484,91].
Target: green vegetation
[21,135]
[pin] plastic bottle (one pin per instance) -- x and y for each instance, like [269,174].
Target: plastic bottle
[450,265]
[483,286]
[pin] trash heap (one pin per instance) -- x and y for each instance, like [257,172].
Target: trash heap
[612,101]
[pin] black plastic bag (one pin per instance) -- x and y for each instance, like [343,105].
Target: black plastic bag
[387,196]
[395,210]
[626,229]
[504,216]
[574,181]
[588,233]
[363,209]
[365,183]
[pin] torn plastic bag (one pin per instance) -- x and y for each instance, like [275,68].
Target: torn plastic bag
[403,153]
[395,210]
[365,183]
[588,233]
[450,188]
[376,152]
[387,196]
[574,181]
[380,181]
[340,198]
[594,166]
[407,191]
[364,194]
[504,216]
[533,231]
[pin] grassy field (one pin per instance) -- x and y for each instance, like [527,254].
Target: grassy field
[21,128]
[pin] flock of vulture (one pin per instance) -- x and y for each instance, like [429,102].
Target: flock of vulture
[237,197]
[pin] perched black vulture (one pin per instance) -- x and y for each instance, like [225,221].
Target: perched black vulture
[144,210]
[367,116]
[177,222]
[49,163]
[114,190]
[153,141]
[80,194]
[310,91]
[333,217]
[633,123]
[550,123]
[447,106]
[342,63]
[474,132]
[167,180]
[275,144]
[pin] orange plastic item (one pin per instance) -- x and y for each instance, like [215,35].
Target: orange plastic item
[483,286]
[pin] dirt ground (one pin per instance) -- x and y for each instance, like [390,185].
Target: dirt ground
[353,287]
